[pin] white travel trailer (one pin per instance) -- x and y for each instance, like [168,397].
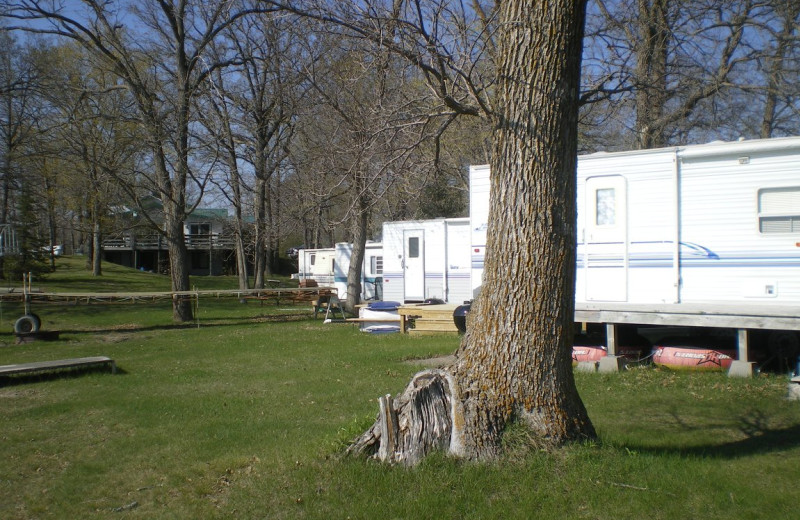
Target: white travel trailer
[692,235]
[316,264]
[329,267]
[371,271]
[709,223]
[426,259]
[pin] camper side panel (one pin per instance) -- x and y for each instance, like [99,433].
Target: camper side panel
[317,264]
[479,185]
[438,266]
[371,270]
[344,251]
[459,287]
[435,251]
[743,212]
[629,257]
[418,274]
[393,259]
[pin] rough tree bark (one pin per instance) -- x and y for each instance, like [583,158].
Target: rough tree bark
[514,363]
[359,227]
[789,17]
[651,69]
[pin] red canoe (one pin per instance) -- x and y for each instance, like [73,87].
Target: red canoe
[595,352]
[693,358]
[587,353]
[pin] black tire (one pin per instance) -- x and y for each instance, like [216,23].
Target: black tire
[27,324]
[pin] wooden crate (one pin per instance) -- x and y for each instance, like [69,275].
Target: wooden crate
[428,319]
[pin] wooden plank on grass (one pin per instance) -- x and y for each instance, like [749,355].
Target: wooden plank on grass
[46,366]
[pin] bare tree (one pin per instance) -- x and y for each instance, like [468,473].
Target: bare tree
[368,125]
[220,120]
[666,61]
[94,135]
[782,67]
[514,364]
[266,50]
[18,91]
[163,67]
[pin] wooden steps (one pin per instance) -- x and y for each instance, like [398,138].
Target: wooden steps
[427,319]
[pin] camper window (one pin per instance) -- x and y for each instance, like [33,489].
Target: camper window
[606,207]
[312,259]
[779,210]
[376,264]
[413,247]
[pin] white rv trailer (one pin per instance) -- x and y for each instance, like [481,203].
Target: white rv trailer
[426,259]
[316,264]
[371,270]
[703,235]
[329,267]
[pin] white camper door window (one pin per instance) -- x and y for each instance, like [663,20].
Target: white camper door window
[606,239]
[605,207]
[779,210]
[413,247]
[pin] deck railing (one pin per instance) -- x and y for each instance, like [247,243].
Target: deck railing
[203,241]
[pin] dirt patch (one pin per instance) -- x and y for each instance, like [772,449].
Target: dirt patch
[434,362]
[116,337]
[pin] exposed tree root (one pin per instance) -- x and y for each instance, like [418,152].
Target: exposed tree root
[427,416]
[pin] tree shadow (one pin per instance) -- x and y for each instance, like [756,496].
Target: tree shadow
[759,438]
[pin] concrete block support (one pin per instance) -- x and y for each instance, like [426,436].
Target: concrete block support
[586,366]
[742,369]
[611,364]
[794,389]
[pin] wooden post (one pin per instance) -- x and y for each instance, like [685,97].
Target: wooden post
[741,367]
[612,362]
[741,343]
[611,339]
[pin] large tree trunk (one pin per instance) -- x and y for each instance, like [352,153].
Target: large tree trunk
[514,363]
[260,240]
[776,67]
[97,248]
[97,241]
[173,200]
[651,73]
[357,258]
[178,267]
[241,259]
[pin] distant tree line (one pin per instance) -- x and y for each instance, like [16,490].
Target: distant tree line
[315,122]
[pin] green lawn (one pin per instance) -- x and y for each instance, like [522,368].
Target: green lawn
[244,414]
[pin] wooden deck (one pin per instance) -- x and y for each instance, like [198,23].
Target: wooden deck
[427,319]
[712,314]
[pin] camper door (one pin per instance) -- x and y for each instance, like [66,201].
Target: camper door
[414,264]
[606,235]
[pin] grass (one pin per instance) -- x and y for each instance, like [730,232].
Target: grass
[245,416]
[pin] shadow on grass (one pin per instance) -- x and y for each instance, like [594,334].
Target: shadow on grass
[759,438]
[203,323]
[64,373]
